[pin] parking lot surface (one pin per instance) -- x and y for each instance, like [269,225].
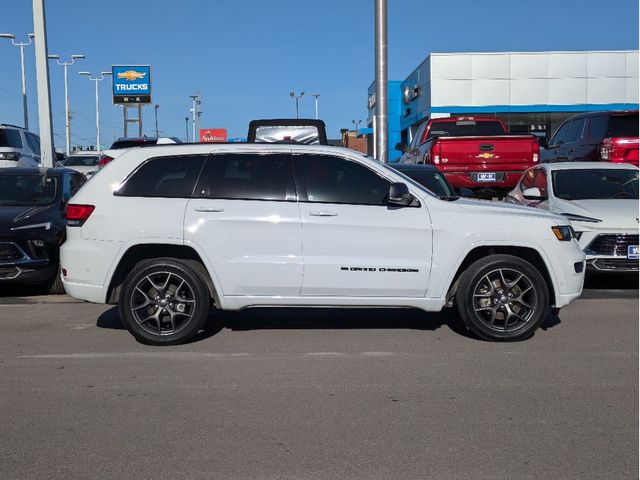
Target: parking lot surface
[318,393]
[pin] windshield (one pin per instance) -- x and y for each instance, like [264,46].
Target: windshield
[433,181]
[27,189]
[81,161]
[465,128]
[306,134]
[623,126]
[595,184]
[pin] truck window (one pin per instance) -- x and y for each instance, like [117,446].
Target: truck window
[623,126]
[466,128]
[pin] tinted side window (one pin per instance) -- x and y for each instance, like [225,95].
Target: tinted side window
[326,179]
[598,126]
[575,132]
[34,143]
[561,134]
[171,177]
[248,176]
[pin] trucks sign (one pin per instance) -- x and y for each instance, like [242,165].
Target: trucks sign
[131,84]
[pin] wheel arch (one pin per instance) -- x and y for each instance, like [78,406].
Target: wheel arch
[146,251]
[528,253]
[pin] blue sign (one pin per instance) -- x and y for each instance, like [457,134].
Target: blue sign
[633,252]
[131,83]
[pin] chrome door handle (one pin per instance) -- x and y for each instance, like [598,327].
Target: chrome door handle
[323,214]
[209,209]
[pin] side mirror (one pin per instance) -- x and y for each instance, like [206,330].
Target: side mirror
[533,193]
[401,147]
[465,192]
[399,194]
[543,142]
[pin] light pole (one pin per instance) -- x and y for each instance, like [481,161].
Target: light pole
[297,99]
[315,96]
[24,81]
[155,109]
[356,123]
[381,71]
[67,123]
[195,101]
[95,80]
[186,129]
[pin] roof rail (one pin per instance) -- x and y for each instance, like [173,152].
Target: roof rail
[11,125]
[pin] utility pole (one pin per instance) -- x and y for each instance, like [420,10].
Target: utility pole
[155,109]
[67,117]
[24,82]
[95,80]
[315,96]
[297,99]
[381,71]
[42,81]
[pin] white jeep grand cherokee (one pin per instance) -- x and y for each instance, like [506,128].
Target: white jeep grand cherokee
[169,231]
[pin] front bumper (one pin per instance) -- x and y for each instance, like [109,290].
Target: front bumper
[608,251]
[22,268]
[569,265]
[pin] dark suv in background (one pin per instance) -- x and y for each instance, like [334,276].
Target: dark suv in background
[597,136]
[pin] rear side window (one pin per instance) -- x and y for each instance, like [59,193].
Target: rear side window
[10,138]
[327,179]
[34,142]
[170,177]
[575,131]
[598,126]
[248,176]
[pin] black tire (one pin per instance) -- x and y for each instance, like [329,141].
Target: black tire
[163,302]
[502,298]
[56,287]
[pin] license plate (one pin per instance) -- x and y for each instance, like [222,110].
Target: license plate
[486,177]
[633,252]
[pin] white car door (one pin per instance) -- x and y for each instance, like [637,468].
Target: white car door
[353,243]
[247,221]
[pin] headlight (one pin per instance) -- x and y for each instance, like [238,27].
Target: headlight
[46,226]
[563,233]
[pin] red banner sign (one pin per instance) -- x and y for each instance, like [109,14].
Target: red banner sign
[213,135]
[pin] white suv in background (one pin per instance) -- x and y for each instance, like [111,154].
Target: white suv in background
[18,147]
[167,232]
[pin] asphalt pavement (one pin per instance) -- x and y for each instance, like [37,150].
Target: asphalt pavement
[319,394]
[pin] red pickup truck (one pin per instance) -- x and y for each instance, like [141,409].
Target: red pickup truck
[473,152]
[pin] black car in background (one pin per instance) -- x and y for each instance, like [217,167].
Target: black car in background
[32,224]
[430,177]
[610,136]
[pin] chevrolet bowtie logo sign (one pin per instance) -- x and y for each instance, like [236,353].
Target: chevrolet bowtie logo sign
[132,75]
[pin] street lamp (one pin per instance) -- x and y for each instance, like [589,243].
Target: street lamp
[67,124]
[12,37]
[315,96]
[356,123]
[186,129]
[155,110]
[297,98]
[96,79]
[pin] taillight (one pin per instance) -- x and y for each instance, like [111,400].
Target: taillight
[605,150]
[76,214]
[104,159]
[536,152]
[435,154]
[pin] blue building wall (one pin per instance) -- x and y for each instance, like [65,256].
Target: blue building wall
[394,93]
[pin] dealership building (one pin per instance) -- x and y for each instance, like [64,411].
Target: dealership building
[533,92]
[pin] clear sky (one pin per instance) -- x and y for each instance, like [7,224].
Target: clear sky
[245,56]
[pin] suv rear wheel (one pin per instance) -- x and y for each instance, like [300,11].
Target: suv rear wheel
[502,298]
[163,302]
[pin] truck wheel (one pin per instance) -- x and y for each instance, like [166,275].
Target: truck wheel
[502,298]
[163,302]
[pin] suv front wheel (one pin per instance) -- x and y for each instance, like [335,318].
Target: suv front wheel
[502,298]
[163,302]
